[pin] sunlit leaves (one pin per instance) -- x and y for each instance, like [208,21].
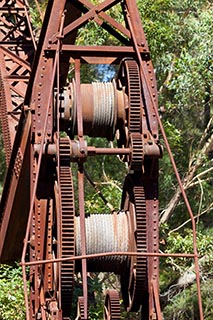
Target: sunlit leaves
[11,293]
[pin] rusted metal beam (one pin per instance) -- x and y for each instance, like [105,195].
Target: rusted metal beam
[108,23]
[107,4]
[97,51]
[14,207]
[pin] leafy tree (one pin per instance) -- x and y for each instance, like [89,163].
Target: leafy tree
[11,293]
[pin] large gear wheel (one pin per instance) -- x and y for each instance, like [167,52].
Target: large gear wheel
[134,202]
[130,136]
[129,79]
[80,309]
[134,93]
[112,305]
[66,219]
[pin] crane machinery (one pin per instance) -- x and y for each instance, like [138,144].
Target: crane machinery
[45,118]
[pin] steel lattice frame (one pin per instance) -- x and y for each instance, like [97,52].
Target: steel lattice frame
[37,204]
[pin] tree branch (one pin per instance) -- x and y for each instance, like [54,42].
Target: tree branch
[195,162]
[184,281]
[168,78]
[197,216]
[191,183]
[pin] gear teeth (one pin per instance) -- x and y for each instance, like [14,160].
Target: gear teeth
[80,310]
[141,220]
[138,280]
[112,305]
[134,90]
[67,226]
[137,155]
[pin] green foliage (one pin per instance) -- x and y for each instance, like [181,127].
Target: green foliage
[93,34]
[36,12]
[185,305]
[110,191]
[107,174]
[177,242]
[11,293]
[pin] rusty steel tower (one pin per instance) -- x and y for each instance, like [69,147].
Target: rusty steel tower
[39,224]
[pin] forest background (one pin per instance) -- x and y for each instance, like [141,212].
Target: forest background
[179,34]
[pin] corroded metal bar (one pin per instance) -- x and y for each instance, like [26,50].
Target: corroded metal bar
[105,254]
